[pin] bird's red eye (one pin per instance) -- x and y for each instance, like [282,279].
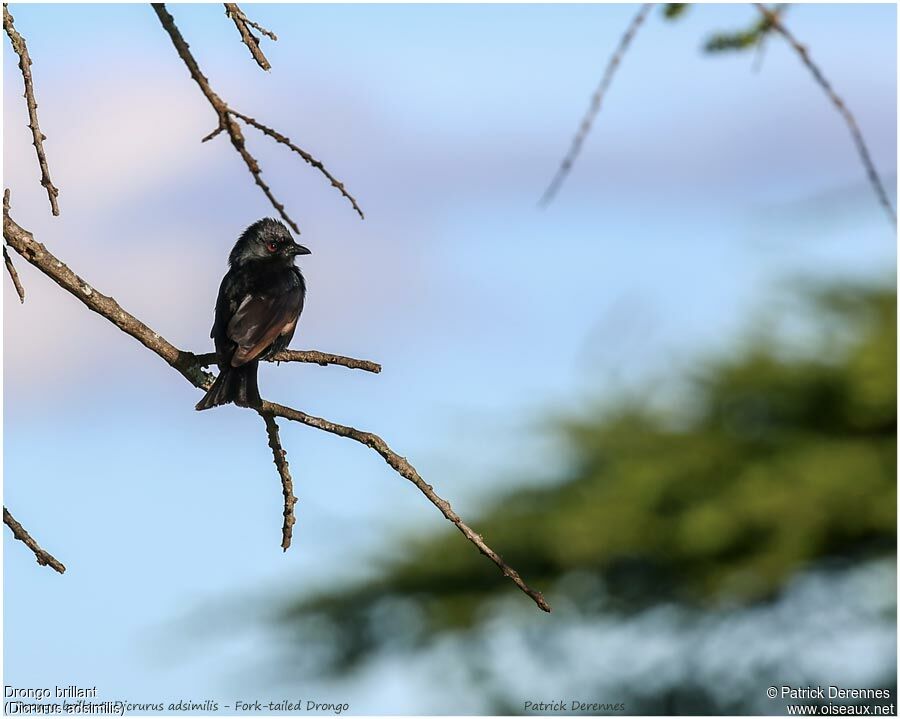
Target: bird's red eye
[272,246]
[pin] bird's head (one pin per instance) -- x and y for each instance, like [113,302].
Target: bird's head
[266,240]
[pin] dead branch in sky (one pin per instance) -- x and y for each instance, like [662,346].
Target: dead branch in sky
[190,365]
[596,102]
[227,122]
[862,149]
[771,20]
[37,137]
[287,482]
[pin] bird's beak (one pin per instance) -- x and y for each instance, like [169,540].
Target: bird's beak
[300,250]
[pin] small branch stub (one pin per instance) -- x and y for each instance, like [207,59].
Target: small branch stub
[10,268]
[44,558]
[243,24]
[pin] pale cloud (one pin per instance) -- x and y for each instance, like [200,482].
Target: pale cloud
[123,141]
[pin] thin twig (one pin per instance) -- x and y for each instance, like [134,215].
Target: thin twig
[256,26]
[10,268]
[287,483]
[861,147]
[596,102]
[310,356]
[242,23]
[278,137]
[226,121]
[37,137]
[764,34]
[14,275]
[186,364]
[44,558]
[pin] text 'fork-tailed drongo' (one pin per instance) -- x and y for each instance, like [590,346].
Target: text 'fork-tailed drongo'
[259,303]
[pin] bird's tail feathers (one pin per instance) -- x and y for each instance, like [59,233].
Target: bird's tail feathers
[234,384]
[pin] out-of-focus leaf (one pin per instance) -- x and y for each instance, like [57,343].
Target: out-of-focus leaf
[741,39]
[674,10]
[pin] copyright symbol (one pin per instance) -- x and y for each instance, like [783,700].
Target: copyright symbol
[771,692]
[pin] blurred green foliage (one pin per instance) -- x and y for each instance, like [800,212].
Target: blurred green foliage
[739,39]
[673,10]
[732,40]
[779,460]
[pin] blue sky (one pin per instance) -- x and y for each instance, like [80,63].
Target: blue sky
[703,185]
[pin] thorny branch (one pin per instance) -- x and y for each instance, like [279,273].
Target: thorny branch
[228,123]
[190,367]
[243,23]
[287,483]
[596,102]
[861,147]
[44,558]
[37,137]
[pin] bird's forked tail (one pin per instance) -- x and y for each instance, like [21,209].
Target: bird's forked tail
[234,384]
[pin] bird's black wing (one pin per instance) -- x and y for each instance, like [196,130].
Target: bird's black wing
[260,320]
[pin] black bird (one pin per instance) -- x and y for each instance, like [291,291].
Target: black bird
[259,303]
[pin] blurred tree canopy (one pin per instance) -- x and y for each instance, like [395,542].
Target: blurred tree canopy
[781,459]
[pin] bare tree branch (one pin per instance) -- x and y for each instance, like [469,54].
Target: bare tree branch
[861,147]
[596,102]
[226,121]
[186,363]
[44,558]
[287,483]
[405,469]
[242,23]
[278,137]
[37,137]
[14,275]
[310,356]
[37,255]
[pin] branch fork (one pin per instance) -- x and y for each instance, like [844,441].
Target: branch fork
[227,122]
